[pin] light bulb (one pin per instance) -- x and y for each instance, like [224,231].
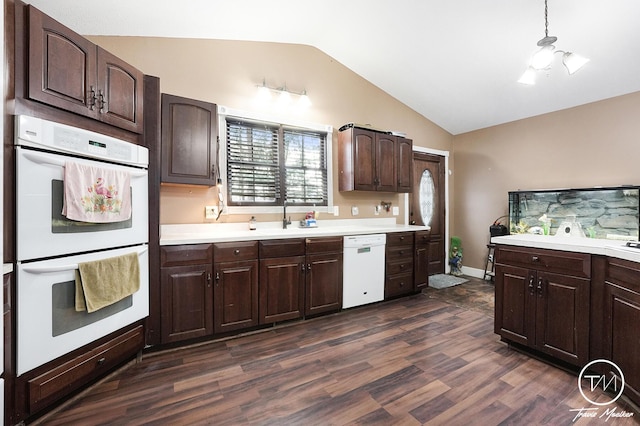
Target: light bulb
[542,58]
[529,77]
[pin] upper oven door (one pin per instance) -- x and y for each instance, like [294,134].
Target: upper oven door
[42,230]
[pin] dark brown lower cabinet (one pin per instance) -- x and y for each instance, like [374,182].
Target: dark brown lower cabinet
[235,293]
[541,308]
[44,386]
[621,309]
[323,289]
[186,292]
[187,302]
[281,289]
[399,266]
[282,280]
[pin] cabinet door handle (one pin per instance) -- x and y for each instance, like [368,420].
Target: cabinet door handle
[209,280]
[535,259]
[531,288]
[217,276]
[102,101]
[308,266]
[302,267]
[540,287]
[91,99]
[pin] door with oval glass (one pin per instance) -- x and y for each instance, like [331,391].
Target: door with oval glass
[426,204]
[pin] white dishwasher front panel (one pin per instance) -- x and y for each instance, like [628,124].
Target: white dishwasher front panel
[363,275]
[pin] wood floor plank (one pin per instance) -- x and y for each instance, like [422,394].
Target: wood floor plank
[431,358]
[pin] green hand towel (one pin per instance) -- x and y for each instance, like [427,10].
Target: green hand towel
[104,282]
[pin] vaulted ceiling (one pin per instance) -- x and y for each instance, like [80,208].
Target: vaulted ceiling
[455,62]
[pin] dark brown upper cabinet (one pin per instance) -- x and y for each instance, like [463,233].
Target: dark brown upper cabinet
[189,141]
[69,72]
[373,161]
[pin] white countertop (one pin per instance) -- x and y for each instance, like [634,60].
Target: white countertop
[224,232]
[612,248]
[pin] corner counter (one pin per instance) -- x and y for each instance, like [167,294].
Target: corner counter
[575,300]
[610,248]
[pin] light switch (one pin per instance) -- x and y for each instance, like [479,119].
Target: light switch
[395,210]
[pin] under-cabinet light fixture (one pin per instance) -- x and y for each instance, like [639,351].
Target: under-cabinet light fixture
[542,59]
[284,95]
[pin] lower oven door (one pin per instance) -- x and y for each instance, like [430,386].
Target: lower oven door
[42,230]
[48,325]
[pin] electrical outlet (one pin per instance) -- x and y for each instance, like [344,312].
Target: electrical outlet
[211,212]
[336,210]
[377,209]
[355,211]
[396,210]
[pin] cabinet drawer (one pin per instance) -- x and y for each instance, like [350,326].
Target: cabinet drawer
[324,245]
[281,248]
[399,253]
[398,267]
[229,252]
[398,285]
[58,382]
[190,254]
[623,273]
[399,238]
[561,262]
[422,238]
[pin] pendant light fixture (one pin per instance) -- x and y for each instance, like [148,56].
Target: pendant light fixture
[543,58]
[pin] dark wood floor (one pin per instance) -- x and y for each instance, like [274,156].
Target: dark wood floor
[425,359]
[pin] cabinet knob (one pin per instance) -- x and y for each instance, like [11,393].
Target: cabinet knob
[535,259]
[236,252]
[101,361]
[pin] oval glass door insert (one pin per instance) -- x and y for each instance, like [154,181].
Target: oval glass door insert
[427,197]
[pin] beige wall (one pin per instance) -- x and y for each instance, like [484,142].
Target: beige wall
[592,145]
[595,144]
[226,73]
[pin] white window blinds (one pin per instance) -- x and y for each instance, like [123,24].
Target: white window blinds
[268,162]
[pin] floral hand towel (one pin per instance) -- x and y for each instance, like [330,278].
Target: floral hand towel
[94,194]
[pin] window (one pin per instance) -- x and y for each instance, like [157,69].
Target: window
[267,163]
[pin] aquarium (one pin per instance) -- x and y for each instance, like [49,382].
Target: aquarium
[606,213]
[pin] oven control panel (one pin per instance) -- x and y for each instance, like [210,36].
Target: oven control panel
[44,134]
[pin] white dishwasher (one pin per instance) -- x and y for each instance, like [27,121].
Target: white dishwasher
[363,274]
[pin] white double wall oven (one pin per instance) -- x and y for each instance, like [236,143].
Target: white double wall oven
[49,246]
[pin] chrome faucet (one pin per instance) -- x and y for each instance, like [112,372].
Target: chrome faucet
[285,221]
